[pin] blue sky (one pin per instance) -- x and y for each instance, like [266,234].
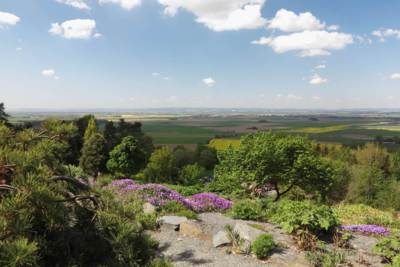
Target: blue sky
[79,54]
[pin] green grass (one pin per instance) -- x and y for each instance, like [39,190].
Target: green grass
[173,133]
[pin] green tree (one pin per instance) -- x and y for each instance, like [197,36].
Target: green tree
[275,161]
[110,134]
[127,158]
[373,155]
[365,184]
[162,166]
[192,174]
[91,129]
[184,156]
[3,115]
[207,157]
[93,156]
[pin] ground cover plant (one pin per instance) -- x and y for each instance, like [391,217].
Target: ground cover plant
[160,195]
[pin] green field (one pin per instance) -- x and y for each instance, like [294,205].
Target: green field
[194,129]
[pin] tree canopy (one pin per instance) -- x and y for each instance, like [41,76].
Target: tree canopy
[276,162]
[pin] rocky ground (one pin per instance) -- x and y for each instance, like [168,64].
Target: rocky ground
[204,243]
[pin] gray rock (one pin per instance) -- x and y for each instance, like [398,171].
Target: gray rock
[363,243]
[172,221]
[193,229]
[148,208]
[221,239]
[247,232]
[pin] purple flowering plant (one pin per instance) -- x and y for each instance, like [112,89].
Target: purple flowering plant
[159,195]
[367,229]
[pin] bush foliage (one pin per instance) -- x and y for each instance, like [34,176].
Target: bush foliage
[263,246]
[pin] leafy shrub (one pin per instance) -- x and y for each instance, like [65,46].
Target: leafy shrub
[305,216]
[263,246]
[247,210]
[187,190]
[363,214]
[191,174]
[388,248]
[127,158]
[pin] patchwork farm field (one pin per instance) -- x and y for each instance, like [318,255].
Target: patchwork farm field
[221,130]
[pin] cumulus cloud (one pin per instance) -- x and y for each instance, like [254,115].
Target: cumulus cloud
[317,80]
[383,34]
[395,76]
[308,43]
[75,29]
[221,15]
[125,4]
[210,82]
[79,4]
[333,28]
[8,19]
[288,21]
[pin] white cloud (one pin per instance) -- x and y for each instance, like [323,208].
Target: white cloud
[48,72]
[317,80]
[395,76]
[288,21]
[221,15]
[316,98]
[333,28]
[75,29]
[18,49]
[210,82]
[386,33]
[125,4]
[320,67]
[79,4]
[8,19]
[309,43]
[155,74]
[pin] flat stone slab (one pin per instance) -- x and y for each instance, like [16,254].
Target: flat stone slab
[172,221]
[221,239]
[247,232]
[193,229]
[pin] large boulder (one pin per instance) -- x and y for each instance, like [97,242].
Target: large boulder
[193,229]
[247,232]
[173,222]
[221,239]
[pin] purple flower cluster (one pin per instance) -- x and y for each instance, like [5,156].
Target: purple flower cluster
[208,202]
[366,228]
[160,195]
